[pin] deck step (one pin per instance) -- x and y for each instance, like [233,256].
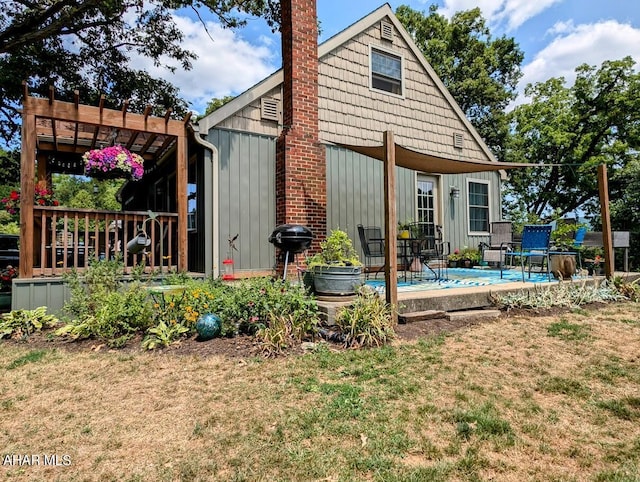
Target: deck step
[420,316]
[473,314]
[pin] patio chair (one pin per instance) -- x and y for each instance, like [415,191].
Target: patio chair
[372,242]
[578,241]
[500,240]
[534,245]
[427,245]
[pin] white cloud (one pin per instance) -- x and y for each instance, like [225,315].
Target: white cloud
[508,13]
[560,28]
[226,63]
[588,43]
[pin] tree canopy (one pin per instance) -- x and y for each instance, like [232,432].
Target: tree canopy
[480,72]
[87,46]
[575,128]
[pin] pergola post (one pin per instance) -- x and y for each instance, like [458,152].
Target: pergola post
[390,223]
[27,191]
[607,242]
[181,204]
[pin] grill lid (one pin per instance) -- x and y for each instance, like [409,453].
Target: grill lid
[294,238]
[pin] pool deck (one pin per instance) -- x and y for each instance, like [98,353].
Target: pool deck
[463,298]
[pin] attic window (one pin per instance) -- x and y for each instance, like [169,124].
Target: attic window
[386,31]
[269,109]
[386,71]
[458,140]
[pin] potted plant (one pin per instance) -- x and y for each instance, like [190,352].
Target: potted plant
[404,229]
[470,257]
[113,162]
[454,258]
[336,269]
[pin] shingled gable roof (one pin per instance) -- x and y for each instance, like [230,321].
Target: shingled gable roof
[277,78]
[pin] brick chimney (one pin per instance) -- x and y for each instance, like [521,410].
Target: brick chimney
[301,181]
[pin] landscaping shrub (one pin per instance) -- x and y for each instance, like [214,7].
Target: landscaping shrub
[568,295]
[22,323]
[276,311]
[367,322]
[103,307]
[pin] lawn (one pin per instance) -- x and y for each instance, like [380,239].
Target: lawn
[525,397]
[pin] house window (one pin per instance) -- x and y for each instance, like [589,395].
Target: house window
[478,192]
[386,72]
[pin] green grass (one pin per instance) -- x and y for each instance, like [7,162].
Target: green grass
[568,331]
[33,356]
[522,400]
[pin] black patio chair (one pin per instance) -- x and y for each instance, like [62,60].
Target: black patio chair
[372,242]
[428,246]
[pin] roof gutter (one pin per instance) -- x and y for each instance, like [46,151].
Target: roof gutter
[211,204]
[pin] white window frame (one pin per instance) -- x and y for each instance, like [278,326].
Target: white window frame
[391,53]
[468,204]
[425,177]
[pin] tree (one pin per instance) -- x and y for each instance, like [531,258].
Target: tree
[81,192]
[87,46]
[480,72]
[217,102]
[9,168]
[625,210]
[575,129]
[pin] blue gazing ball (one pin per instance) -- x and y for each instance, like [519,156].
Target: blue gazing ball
[208,326]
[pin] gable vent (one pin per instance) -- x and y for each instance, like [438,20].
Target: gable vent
[458,140]
[270,109]
[386,31]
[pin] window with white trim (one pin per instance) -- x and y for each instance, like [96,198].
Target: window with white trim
[478,206]
[386,71]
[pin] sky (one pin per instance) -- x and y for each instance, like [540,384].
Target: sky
[556,36]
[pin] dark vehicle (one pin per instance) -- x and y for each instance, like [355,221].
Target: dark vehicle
[9,252]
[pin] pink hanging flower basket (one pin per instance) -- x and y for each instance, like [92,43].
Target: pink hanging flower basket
[113,162]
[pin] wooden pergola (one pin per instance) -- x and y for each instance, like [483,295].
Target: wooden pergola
[55,135]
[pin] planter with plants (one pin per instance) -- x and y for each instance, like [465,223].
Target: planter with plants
[454,258]
[336,269]
[404,230]
[466,257]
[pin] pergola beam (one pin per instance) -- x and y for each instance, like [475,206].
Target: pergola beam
[99,116]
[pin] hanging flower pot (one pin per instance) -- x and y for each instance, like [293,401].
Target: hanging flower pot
[113,162]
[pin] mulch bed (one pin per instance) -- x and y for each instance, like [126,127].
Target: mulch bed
[241,347]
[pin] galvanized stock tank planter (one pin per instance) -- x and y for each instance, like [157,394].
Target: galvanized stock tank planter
[336,269]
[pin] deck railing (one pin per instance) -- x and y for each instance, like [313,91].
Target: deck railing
[66,238]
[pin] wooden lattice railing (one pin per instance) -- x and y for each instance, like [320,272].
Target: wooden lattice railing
[65,238]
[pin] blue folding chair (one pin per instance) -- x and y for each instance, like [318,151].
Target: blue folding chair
[578,241]
[535,243]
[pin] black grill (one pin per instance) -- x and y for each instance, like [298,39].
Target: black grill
[292,238]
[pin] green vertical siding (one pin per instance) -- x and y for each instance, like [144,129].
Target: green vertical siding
[354,196]
[246,196]
[355,193]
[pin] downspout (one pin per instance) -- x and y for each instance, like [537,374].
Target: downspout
[211,203]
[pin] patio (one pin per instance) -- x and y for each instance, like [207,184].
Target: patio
[464,289]
[464,278]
